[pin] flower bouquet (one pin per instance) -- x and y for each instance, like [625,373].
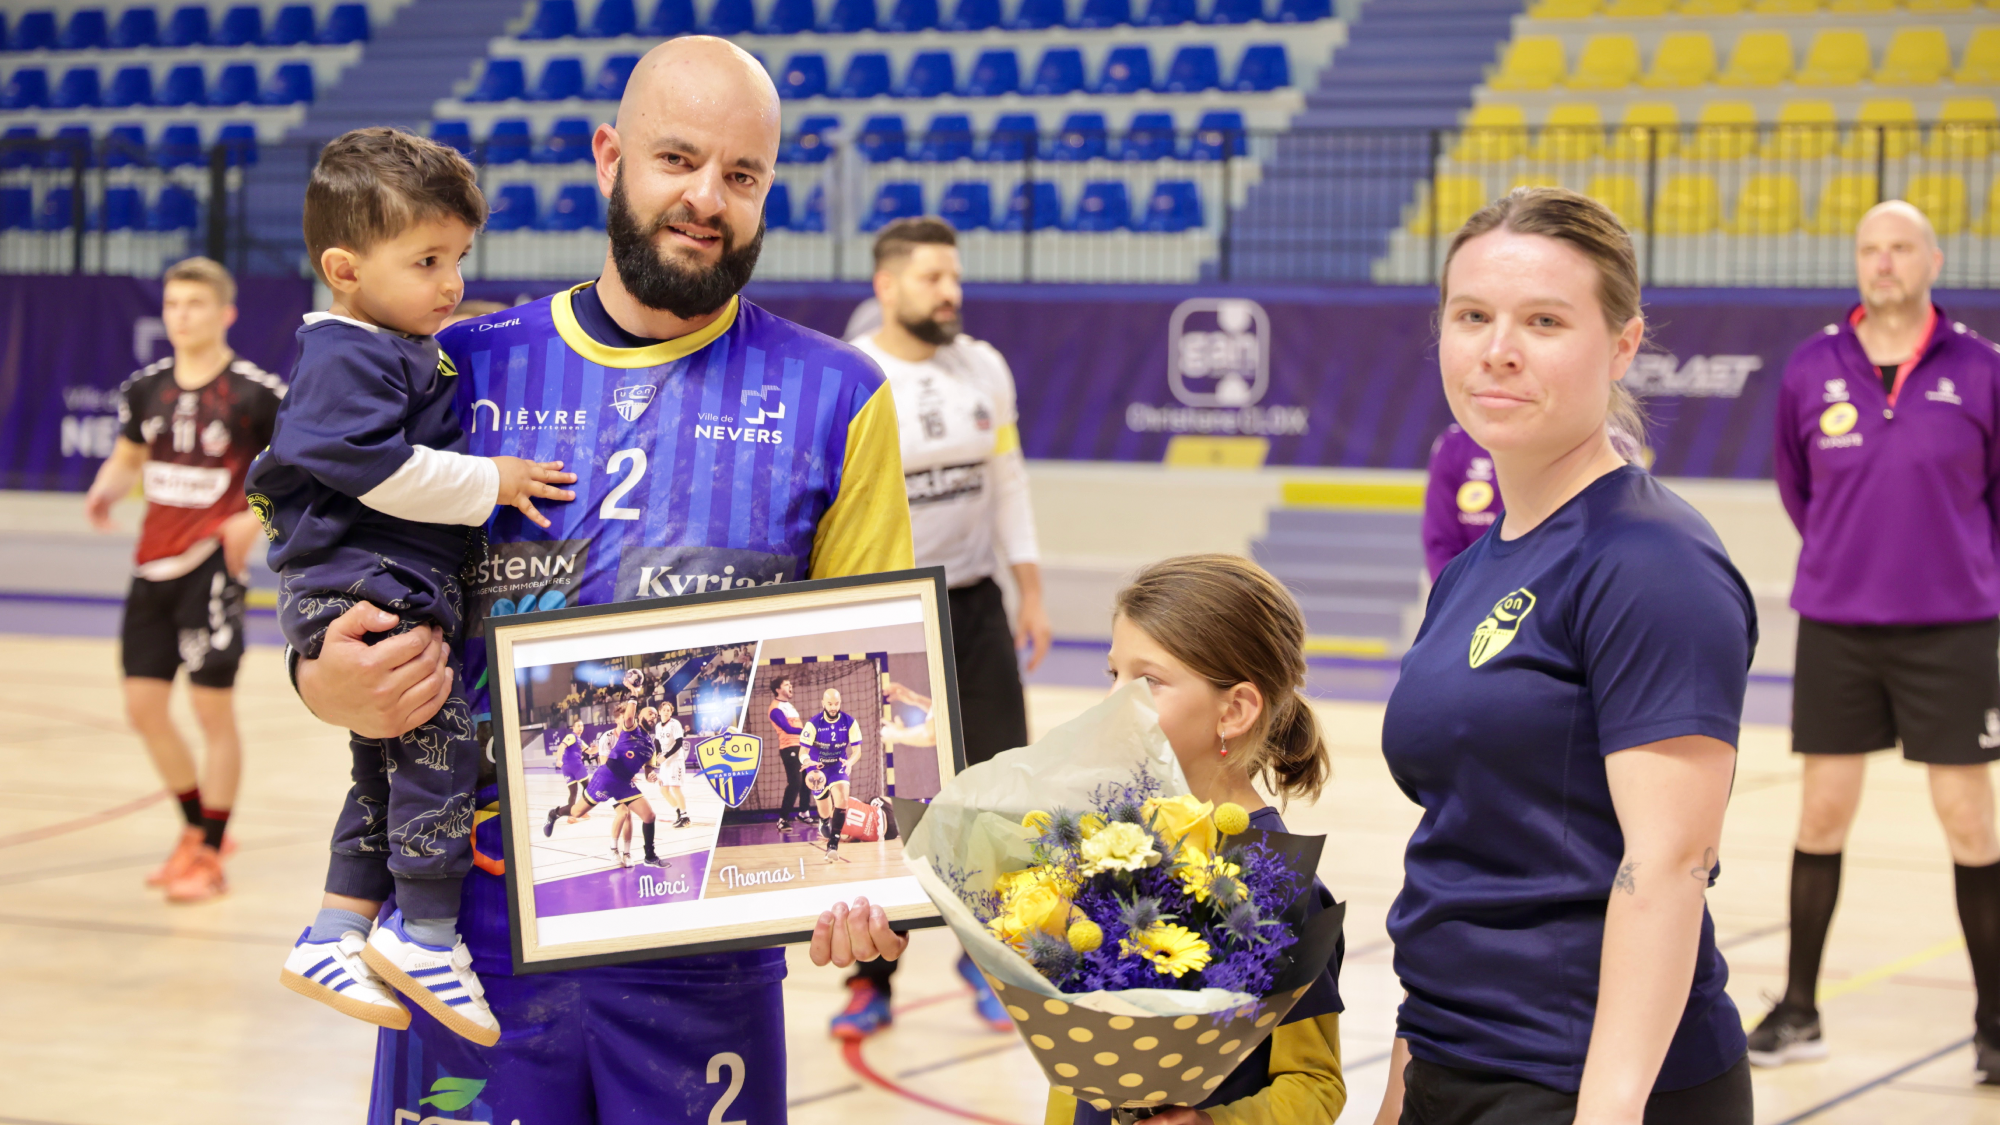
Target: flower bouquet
[1144,942]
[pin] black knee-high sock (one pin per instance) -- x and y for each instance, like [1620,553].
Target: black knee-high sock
[839,822]
[646,829]
[1979,913]
[1815,890]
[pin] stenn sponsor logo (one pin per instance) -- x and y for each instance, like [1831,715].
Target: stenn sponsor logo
[668,572]
[524,577]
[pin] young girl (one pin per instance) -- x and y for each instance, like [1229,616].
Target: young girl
[1223,646]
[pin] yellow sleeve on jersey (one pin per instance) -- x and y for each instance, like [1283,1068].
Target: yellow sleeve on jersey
[867,529]
[1008,440]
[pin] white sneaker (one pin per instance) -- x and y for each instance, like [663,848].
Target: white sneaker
[333,973]
[439,980]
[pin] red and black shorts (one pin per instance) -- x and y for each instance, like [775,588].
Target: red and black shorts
[196,620]
[1935,689]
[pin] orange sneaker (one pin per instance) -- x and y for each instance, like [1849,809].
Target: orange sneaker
[202,880]
[177,861]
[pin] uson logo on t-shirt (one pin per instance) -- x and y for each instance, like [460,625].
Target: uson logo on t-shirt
[1497,631]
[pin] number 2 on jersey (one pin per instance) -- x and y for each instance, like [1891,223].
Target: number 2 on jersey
[610,510]
[716,1064]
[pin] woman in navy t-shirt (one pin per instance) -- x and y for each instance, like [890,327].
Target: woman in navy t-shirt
[1567,718]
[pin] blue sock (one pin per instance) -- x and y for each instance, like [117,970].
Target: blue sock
[440,932]
[331,923]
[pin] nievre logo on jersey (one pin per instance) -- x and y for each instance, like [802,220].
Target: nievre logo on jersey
[729,763]
[671,572]
[630,402]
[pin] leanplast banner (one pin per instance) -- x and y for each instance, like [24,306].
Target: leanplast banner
[68,343]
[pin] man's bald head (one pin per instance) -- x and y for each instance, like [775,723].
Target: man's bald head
[1899,210]
[701,77]
[1896,258]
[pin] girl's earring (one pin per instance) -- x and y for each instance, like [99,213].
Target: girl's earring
[1225,742]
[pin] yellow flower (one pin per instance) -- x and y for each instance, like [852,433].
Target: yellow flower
[1038,906]
[1119,847]
[1185,819]
[1085,936]
[1173,950]
[1037,821]
[1090,825]
[1230,818]
[1200,875]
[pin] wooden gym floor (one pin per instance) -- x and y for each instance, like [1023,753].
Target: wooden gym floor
[115,1007]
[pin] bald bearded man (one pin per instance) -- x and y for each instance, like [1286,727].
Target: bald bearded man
[620,379]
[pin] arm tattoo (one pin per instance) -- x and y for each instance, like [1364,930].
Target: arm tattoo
[1707,868]
[1625,881]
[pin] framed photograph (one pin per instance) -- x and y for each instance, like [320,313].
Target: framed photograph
[710,772]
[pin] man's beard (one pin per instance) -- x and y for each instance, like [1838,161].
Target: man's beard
[656,280]
[933,331]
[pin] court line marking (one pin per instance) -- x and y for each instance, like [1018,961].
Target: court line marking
[1872,1083]
[100,866]
[1881,973]
[138,930]
[112,813]
[851,1051]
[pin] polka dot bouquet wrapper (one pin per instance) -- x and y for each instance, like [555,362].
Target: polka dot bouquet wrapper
[1146,943]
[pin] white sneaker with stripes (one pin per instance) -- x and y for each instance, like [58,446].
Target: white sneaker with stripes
[333,973]
[436,979]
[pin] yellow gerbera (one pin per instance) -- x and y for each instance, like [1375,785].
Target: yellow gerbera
[1173,950]
[1199,875]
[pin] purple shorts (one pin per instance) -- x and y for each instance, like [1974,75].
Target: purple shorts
[573,768]
[607,786]
[835,770]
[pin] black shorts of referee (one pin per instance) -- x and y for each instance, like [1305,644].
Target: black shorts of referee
[1935,689]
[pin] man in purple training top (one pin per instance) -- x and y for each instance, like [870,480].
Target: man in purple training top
[1462,499]
[1888,460]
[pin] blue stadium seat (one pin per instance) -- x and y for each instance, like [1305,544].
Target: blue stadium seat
[34,31]
[790,17]
[1038,15]
[185,85]
[27,88]
[554,19]
[176,208]
[503,80]
[1195,68]
[575,208]
[994,73]
[1263,67]
[79,88]
[612,77]
[778,207]
[1219,131]
[70,145]
[292,26]
[568,142]
[454,135]
[513,208]
[930,76]
[137,27]
[912,15]
[1035,205]
[242,26]
[898,199]
[88,29]
[949,138]
[3,30]
[1150,137]
[967,205]
[850,16]
[1127,70]
[1303,11]
[124,146]
[974,15]
[56,212]
[882,138]
[670,18]
[867,76]
[1175,207]
[1060,72]
[508,142]
[123,209]
[346,23]
[810,144]
[1013,137]
[1104,206]
[180,147]
[610,20]
[291,83]
[1083,137]
[1169,13]
[729,17]
[239,142]
[1236,11]
[813,219]
[130,86]
[17,207]
[804,76]
[21,147]
[562,79]
[236,85]
[1104,13]
[187,27]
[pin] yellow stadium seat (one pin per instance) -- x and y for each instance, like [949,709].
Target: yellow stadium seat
[1638,9]
[1836,58]
[1572,131]
[1532,62]
[1966,129]
[1608,62]
[1785,7]
[1917,56]
[1725,131]
[1867,6]
[1982,58]
[1842,203]
[1457,198]
[1493,133]
[1887,126]
[1806,131]
[1989,223]
[1939,5]
[1621,195]
[1713,7]
[1649,129]
[1941,197]
[1688,204]
[1761,58]
[1767,204]
[1563,9]
[1533,180]
[1685,59]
